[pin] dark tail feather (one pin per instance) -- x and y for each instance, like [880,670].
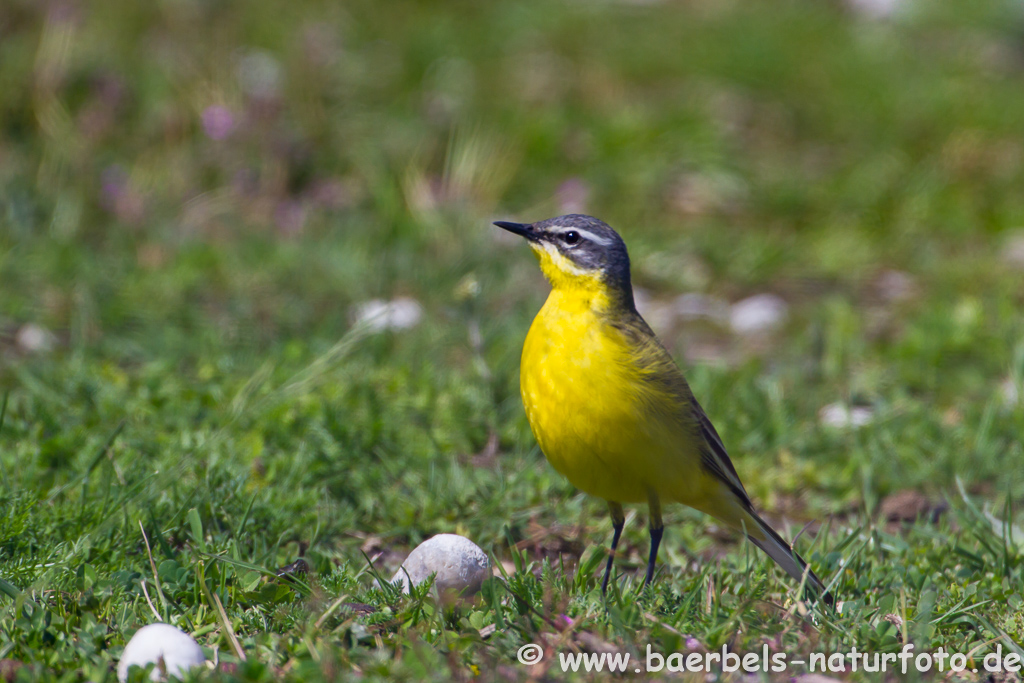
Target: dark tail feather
[787,558]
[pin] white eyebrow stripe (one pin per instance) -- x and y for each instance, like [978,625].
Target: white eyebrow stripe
[596,239]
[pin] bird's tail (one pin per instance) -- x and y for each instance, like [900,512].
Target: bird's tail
[776,547]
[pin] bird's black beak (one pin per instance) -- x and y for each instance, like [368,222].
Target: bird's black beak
[521,229]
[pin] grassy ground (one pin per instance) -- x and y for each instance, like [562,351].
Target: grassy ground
[196,197]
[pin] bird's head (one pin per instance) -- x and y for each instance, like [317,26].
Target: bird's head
[579,252]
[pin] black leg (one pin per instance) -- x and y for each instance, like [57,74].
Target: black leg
[618,521]
[656,534]
[657,530]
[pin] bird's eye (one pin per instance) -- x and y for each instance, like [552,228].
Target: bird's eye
[571,237]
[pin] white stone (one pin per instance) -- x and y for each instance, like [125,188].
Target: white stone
[878,9]
[35,339]
[757,314]
[1013,249]
[172,650]
[840,415]
[402,313]
[460,566]
[1009,391]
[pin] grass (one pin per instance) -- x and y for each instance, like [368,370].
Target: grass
[196,197]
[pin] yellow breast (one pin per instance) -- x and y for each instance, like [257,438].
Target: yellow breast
[597,417]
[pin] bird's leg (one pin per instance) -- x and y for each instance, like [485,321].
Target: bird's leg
[657,529]
[618,521]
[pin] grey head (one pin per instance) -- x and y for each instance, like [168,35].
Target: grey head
[589,244]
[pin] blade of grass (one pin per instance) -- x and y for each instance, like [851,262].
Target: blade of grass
[215,604]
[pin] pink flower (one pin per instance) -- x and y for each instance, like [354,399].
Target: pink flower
[218,122]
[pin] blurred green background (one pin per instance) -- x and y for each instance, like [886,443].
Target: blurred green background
[201,200]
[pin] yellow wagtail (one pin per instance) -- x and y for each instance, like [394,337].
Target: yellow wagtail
[608,405]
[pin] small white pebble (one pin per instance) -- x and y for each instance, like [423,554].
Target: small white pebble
[34,338]
[877,9]
[1011,394]
[757,314]
[172,650]
[840,415]
[461,566]
[1013,249]
[402,313]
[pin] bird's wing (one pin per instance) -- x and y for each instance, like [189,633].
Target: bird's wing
[663,370]
[659,368]
[715,458]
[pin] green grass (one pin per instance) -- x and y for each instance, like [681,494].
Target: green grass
[205,387]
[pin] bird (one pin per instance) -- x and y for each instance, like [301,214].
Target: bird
[609,407]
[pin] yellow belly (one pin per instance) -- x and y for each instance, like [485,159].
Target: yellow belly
[591,411]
